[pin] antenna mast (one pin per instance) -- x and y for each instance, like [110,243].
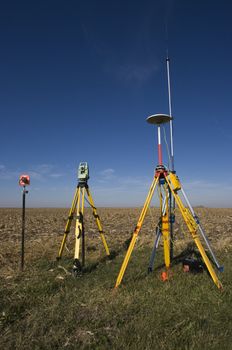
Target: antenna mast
[170,113]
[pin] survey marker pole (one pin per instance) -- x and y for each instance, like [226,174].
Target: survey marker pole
[23,228]
[23,181]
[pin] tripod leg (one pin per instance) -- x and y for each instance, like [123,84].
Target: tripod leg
[152,259]
[220,268]
[97,218]
[175,186]
[136,231]
[165,232]
[78,232]
[171,220]
[163,205]
[78,229]
[83,229]
[68,224]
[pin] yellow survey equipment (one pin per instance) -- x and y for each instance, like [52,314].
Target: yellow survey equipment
[174,182]
[169,186]
[77,212]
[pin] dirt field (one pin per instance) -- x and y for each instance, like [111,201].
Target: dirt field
[45,227]
[45,307]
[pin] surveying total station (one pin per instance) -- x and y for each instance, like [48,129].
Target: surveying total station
[78,207]
[83,173]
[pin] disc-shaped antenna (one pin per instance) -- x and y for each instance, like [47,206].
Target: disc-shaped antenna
[158,119]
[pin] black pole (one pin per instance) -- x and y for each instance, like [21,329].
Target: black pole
[23,228]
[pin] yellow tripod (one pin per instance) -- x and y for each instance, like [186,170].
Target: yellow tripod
[169,184]
[78,208]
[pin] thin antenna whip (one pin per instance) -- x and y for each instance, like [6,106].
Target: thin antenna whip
[170,113]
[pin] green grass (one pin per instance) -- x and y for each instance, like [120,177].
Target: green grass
[47,308]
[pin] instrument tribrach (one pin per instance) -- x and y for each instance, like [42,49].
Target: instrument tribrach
[78,207]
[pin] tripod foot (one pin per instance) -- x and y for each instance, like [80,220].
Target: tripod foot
[164,276]
[112,255]
[77,268]
[58,258]
[221,268]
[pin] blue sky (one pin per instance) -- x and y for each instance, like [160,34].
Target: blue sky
[79,78]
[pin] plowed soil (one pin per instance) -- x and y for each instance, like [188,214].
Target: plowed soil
[45,228]
[46,307]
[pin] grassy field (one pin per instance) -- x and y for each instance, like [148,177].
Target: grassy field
[45,307]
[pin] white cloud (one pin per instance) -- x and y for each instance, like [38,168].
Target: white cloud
[106,175]
[206,185]
[39,172]
[136,181]
[209,194]
[35,175]
[56,175]
[44,168]
[6,174]
[42,172]
[107,172]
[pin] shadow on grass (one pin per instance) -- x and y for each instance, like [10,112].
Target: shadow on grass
[90,267]
[191,257]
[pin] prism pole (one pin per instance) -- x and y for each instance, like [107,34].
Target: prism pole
[23,228]
[23,181]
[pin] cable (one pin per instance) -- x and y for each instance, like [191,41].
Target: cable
[92,206]
[168,150]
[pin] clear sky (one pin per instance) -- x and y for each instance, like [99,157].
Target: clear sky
[79,78]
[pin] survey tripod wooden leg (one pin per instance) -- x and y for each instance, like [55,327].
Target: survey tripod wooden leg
[194,227]
[170,181]
[163,227]
[98,222]
[136,231]
[77,213]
